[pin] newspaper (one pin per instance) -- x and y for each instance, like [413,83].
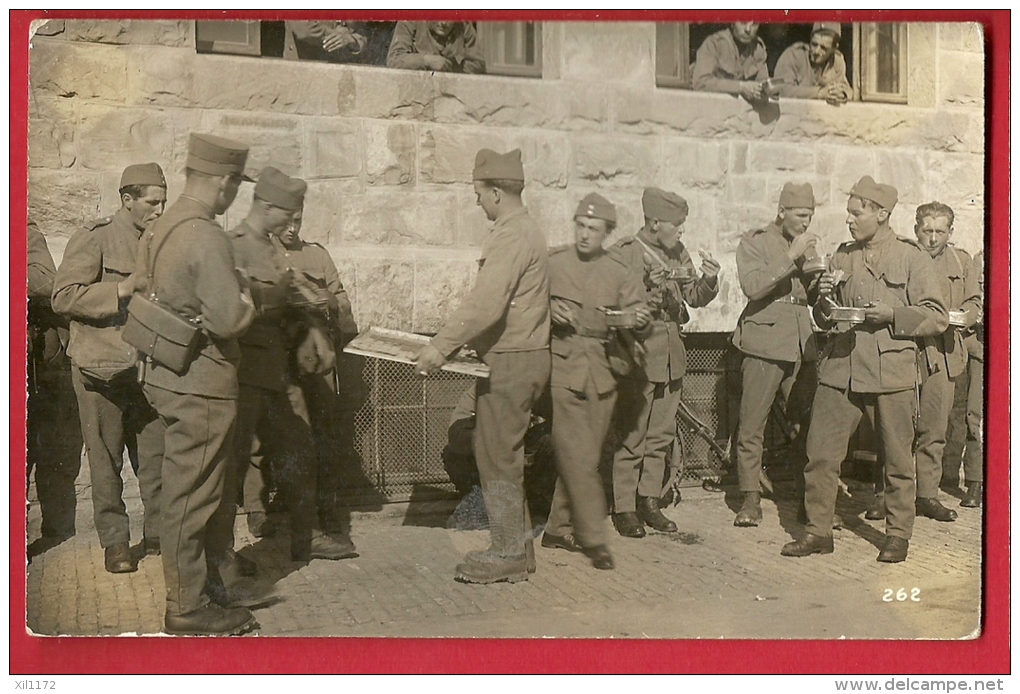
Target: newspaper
[396,345]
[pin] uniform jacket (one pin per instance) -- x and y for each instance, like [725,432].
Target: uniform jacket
[194,275]
[720,66]
[47,332]
[881,359]
[603,281]
[946,352]
[803,80]
[974,339]
[508,308]
[264,345]
[776,323]
[96,259]
[316,265]
[412,40]
[666,358]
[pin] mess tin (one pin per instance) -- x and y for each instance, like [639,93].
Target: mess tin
[617,318]
[847,314]
[958,319]
[818,263]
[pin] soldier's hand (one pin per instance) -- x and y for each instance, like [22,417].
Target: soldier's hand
[709,266]
[644,316]
[826,283]
[561,312]
[752,91]
[336,39]
[878,313]
[801,245]
[437,63]
[135,282]
[657,275]
[429,359]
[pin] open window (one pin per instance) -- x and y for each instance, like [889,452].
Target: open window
[875,54]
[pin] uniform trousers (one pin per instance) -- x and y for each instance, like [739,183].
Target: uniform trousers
[280,422]
[834,418]
[580,423]
[113,411]
[973,454]
[935,402]
[502,415]
[54,446]
[323,405]
[647,420]
[196,461]
[762,379]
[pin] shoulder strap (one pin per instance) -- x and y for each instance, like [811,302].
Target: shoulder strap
[153,253]
[655,255]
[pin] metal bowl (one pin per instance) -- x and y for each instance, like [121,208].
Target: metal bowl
[958,319]
[626,318]
[847,314]
[682,274]
[816,264]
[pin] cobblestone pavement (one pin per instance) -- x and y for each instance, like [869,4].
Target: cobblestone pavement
[709,580]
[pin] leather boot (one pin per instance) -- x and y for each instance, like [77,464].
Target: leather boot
[894,550]
[648,511]
[808,545]
[933,508]
[876,510]
[600,557]
[567,542]
[972,499]
[492,569]
[211,620]
[628,524]
[749,515]
[325,546]
[117,559]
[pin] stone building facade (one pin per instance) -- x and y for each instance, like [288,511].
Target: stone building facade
[388,154]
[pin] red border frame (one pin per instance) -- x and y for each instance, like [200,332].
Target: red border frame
[987,654]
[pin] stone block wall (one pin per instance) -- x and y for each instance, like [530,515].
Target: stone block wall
[388,154]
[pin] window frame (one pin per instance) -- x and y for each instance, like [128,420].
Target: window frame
[252,47]
[486,36]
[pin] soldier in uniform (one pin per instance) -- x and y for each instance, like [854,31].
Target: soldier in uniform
[973,454]
[328,306]
[271,404]
[816,70]
[51,407]
[943,358]
[583,278]
[97,277]
[774,331]
[505,318]
[436,46]
[733,61]
[650,394]
[190,263]
[870,369]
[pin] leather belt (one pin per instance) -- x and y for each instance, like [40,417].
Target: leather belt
[791,300]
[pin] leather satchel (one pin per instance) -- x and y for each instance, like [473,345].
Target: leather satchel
[161,334]
[156,330]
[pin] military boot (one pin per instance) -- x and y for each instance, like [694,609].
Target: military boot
[648,511]
[933,508]
[972,499]
[749,515]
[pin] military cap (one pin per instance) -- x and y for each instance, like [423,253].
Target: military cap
[595,206]
[794,195]
[143,175]
[216,156]
[663,206]
[277,188]
[491,165]
[832,27]
[881,193]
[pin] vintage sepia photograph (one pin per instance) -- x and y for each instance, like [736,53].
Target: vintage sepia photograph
[374,326]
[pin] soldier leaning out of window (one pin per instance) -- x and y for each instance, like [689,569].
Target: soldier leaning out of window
[733,61]
[363,43]
[436,46]
[816,70]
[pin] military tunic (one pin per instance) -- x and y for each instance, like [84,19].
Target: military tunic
[505,318]
[942,359]
[413,40]
[721,67]
[194,275]
[315,264]
[774,332]
[649,395]
[872,370]
[52,406]
[583,387]
[271,406]
[111,404]
[805,81]
[973,456]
